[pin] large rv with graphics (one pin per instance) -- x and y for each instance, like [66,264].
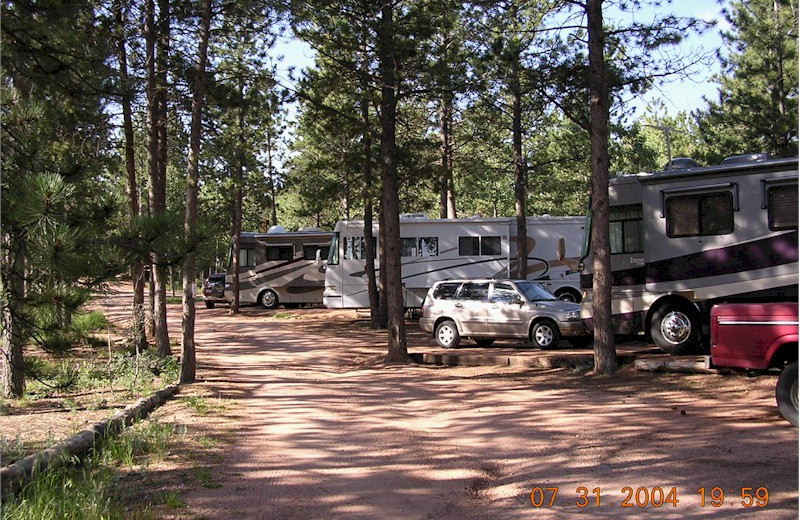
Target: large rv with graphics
[438,249]
[685,239]
[280,267]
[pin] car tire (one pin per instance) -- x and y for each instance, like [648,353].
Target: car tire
[568,295]
[484,342]
[446,334]
[545,334]
[786,393]
[675,328]
[268,299]
[209,305]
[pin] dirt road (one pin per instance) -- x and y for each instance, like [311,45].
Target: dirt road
[333,433]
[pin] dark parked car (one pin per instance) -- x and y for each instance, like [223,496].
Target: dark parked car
[485,310]
[214,290]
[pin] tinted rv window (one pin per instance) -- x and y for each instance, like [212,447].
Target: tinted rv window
[490,246]
[700,215]
[625,229]
[279,253]
[354,248]
[469,246]
[428,246]
[247,257]
[782,207]
[333,254]
[408,247]
[445,291]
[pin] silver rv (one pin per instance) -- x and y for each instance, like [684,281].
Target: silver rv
[685,239]
[280,267]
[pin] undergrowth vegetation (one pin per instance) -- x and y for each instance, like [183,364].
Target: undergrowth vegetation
[67,491]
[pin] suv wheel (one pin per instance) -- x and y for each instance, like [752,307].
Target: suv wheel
[545,334]
[446,334]
[786,393]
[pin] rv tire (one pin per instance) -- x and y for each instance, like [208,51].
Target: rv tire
[675,328]
[545,334]
[447,334]
[569,295]
[268,299]
[209,305]
[786,393]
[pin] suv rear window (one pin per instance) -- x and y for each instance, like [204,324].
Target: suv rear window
[474,291]
[445,291]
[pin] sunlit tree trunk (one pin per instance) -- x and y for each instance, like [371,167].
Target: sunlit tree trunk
[605,355]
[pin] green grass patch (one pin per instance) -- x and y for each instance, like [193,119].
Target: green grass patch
[87,491]
[283,315]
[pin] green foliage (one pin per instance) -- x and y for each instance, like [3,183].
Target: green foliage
[757,107]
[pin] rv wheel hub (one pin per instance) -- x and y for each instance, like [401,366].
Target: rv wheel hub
[676,327]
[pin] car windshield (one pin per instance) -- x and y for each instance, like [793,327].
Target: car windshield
[535,292]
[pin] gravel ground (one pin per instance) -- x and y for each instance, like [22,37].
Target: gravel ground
[332,432]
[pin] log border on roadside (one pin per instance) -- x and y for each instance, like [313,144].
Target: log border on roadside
[15,475]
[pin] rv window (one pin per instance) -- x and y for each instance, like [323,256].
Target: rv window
[700,215]
[469,246]
[333,254]
[310,252]
[490,246]
[782,207]
[408,247]
[474,291]
[428,246]
[354,248]
[625,229]
[247,257]
[446,291]
[279,253]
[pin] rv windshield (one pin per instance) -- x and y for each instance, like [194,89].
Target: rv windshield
[333,254]
[535,292]
[587,235]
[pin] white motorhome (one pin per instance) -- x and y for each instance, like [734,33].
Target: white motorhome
[438,249]
[280,267]
[685,239]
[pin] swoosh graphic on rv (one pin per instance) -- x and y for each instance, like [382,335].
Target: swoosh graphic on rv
[273,273]
[359,274]
[736,258]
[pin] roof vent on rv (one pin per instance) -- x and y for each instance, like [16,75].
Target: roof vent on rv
[276,229]
[681,163]
[413,215]
[746,158]
[309,229]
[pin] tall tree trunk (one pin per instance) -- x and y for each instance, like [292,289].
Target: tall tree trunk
[390,262]
[188,357]
[152,146]
[12,376]
[137,270]
[383,306]
[605,354]
[237,207]
[162,278]
[779,88]
[273,202]
[447,196]
[520,175]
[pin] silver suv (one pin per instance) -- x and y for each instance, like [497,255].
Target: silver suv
[485,310]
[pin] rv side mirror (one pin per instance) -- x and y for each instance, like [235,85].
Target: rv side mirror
[569,262]
[318,257]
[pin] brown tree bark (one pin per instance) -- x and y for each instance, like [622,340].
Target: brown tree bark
[152,146]
[188,354]
[390,262]
[520,173]
[12,376]
[132,190]
[447,195]
[237,209]
[160,195]
[605,354]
